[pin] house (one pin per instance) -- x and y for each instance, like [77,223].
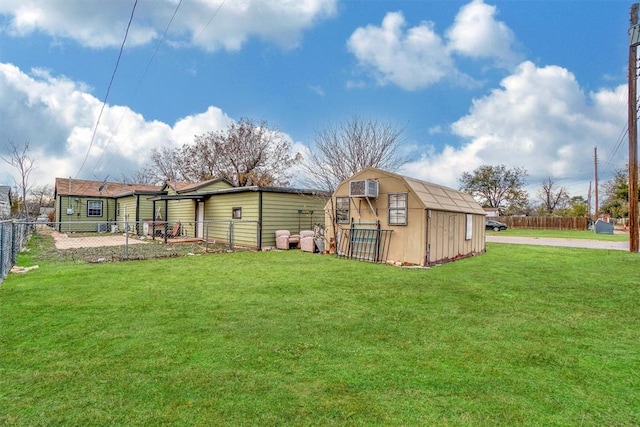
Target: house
[384,217]
[216,210]
[5,201]
[212,209]
[84,205]
[492,212]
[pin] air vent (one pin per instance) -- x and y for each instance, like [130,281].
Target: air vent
[102,228]
[363,188]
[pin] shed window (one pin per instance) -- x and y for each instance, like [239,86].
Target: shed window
[342,210]
[236,213]
[94,208]
[398,209]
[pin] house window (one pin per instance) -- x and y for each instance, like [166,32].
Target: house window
[236,213]
[398,209]
[94,208]
[342,210]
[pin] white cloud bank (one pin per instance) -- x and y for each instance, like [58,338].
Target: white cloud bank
[417,57]
[57,116]
[211,25]
[539,119]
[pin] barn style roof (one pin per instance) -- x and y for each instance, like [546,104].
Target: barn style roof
[433,196]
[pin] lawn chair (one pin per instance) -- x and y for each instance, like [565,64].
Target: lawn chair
[175,232]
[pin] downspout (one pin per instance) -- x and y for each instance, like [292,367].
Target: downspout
[259,220]
[427,253]
[138,232]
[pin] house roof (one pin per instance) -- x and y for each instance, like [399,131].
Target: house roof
[183,187]
[85,188]
[433,196]
[254,188]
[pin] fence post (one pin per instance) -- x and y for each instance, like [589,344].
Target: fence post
[231,245]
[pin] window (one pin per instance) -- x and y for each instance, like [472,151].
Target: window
[94,208]
[342,210]
[469,227]
[398,209]
[236,213]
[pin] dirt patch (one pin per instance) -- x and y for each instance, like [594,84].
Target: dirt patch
[63,241]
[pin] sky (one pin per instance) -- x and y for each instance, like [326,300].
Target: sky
[533,84]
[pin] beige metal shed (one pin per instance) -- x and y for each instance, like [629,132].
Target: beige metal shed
[385,217]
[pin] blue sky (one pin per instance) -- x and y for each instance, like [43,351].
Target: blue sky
[532,84]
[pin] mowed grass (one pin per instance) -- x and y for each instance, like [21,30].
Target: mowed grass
[521,335]
[561,234]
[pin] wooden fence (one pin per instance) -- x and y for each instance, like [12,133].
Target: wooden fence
[544,222]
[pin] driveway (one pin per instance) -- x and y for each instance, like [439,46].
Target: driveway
[569,243]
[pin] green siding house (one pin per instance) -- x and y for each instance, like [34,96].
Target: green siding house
[213,210]
[83,206]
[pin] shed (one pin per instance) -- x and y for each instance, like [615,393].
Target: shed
[381,216]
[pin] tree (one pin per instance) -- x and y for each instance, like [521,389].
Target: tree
[579,207]
[342,150]
[553,198]
[496,186]
[41,196]
[19,158]
[616,194]
[246,153]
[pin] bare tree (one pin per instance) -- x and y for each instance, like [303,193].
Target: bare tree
[342,150]
[246,154]
[553,197]
[41,196]
[19,158]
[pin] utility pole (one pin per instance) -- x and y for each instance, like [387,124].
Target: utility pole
[634,41]
[595,179]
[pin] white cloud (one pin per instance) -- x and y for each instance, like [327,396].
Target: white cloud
[411,59]
[65,117]
[211,25]
[539,119]
[417,57]
[476,34]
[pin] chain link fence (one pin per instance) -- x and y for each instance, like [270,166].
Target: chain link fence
[93,242]
[13,237]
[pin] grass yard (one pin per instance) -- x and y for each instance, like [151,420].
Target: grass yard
[560,234]
[521,335]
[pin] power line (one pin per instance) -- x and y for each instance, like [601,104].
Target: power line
[113,75]
[144,74]
[210,20]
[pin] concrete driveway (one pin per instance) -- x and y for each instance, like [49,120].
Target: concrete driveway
[569,243]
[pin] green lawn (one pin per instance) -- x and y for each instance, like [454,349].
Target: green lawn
[568,234]
[521,335]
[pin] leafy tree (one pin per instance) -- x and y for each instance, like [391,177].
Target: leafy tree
[19,158]
[616,194]
[341,150]
[553,198]
[497,187]
[579,207]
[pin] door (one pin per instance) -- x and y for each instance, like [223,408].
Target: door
[200,221]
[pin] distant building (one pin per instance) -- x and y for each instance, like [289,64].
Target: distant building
[492,212]
[5,201]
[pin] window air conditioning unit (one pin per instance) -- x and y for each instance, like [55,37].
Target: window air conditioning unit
[363,188]
[103,228]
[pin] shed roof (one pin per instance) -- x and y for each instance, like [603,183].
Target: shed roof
[433,196]
[86,188]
